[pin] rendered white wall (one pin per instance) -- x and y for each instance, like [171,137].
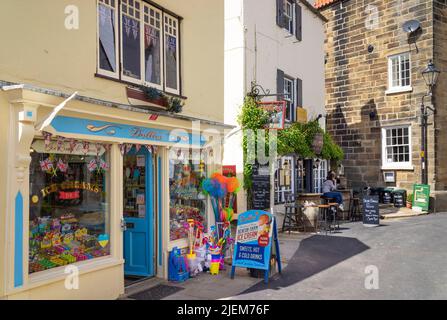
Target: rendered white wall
[255,47]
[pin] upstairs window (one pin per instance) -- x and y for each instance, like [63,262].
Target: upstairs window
[149,44]
[153,46]
[289,17]
[108,37]
[131,40]
[289,97]
[399,72]
[171,53]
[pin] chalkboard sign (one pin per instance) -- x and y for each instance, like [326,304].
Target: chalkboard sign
[371,216]
[261,187]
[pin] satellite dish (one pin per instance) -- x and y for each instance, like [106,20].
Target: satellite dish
[411,26]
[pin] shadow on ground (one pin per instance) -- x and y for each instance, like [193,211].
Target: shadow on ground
[314,255]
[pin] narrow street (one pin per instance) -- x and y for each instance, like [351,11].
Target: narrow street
[409,253]
[410,256]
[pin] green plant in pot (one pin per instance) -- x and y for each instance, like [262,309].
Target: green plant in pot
[410,201]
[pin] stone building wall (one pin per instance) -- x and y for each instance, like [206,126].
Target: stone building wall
[357,104]
[440,96]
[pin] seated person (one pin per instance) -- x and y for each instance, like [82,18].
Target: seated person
[330,187]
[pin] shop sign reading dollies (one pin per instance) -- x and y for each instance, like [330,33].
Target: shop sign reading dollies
[256,231]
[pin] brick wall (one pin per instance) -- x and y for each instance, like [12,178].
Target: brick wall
[357,81]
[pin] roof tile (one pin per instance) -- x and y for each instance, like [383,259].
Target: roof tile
[319,4]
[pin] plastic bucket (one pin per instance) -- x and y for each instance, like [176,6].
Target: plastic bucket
[214,268]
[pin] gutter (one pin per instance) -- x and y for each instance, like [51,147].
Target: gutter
[5,85]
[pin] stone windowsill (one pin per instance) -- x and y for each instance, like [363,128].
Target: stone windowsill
[398,90]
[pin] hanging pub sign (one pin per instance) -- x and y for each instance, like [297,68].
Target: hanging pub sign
[317,143]
[277,114]
[255,234]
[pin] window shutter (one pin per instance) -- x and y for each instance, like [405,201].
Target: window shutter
[280,13]
[279,81]
[299,92]
[298,21]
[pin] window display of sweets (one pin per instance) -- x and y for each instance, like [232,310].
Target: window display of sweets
[69,218]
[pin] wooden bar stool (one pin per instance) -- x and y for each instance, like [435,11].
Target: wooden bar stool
[323,217]
[354,209]
[333,211]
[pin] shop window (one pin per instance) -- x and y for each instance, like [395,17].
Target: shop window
[69,218]
[396,147]
[149,44]
[107,53]
[186,173]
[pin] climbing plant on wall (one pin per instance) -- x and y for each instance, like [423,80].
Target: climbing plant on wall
[298,138]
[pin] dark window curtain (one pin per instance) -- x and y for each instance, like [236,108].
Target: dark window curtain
[280,13]
[298,21]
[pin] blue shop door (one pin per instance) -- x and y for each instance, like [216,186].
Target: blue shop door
[138,213]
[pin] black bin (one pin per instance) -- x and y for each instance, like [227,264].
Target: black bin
[386,196]
[399,198]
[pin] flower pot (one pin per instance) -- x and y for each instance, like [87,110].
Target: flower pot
[409,205]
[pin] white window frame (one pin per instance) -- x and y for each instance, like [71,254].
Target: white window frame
[407,165]
[123,76]
[290,19]
[162,60]
[119,74]
[319,175]
[399,88]
[290,97]
[176,35]
[280,192]
[100,71]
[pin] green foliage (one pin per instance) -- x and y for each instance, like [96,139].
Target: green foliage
[174,104]
[152,93]
[295,139]
[252,117]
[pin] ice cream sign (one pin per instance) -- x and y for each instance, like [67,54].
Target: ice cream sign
[255,233]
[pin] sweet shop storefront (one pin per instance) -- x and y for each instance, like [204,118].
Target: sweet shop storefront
[94,194]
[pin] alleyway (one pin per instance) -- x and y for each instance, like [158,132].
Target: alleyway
[410,256]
